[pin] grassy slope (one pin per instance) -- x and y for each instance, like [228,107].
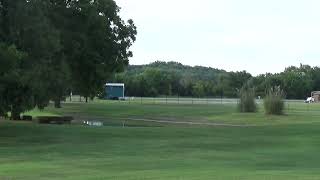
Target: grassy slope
[287,150]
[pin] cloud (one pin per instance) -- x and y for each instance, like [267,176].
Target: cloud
[257,36]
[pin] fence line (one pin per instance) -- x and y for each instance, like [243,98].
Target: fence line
[191,101]
[290,105]
[178,100]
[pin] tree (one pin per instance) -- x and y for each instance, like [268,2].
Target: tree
[315,73]
[236,80]
[83,42]
[296,84]
[198,89]
[14,92]
[96,43]
[26,27]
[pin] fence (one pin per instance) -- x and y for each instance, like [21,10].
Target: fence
[180,100]
[76,98]
[177,100]
[289,104]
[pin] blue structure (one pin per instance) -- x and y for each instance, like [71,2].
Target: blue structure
[114,91]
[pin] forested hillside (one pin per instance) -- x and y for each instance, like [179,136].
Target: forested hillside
[173,79]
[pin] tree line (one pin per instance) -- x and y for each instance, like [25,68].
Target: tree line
[49,48]
[174,79]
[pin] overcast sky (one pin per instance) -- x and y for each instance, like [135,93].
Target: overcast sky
[253,35]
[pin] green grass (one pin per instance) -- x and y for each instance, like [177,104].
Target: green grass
[109,111]
[73,152]
[280,148]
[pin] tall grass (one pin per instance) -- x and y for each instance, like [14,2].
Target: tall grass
[247,101]
[274,101]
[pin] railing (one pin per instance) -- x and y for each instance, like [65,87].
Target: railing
[175,100]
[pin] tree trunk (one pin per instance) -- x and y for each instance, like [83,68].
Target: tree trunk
[86,99]
[15,114]
[57,103]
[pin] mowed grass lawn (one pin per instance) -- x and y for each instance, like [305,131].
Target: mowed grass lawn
[279,148]
[113,112]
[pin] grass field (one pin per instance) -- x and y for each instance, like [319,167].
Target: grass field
[113,112]
[277,148]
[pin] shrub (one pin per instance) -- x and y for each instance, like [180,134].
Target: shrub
[26,118]
[273,102]
[247,101]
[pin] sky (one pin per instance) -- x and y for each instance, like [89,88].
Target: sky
[258,36]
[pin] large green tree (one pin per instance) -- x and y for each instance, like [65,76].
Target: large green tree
[74,44]
[96,42]
[11,83]
[297,82]
[24,25]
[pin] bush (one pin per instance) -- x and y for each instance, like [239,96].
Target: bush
[26,118]
[273,102]
[247,101]
[54,119]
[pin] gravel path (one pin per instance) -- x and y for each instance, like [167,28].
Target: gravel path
[188,123]
[163,121]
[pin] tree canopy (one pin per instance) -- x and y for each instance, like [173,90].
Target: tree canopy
[172,78]
[66,45]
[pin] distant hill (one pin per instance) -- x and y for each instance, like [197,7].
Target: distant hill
[173,78]
[192,72]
